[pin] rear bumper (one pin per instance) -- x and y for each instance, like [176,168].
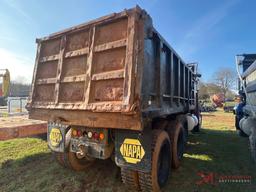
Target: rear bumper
[89,118]
[95,150]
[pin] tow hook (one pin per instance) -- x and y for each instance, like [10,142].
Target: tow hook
[83,150]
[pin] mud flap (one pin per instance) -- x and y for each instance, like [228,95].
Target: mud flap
[133,149]
[56,134]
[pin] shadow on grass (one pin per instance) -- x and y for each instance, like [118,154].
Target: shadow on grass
[208,115]
[41,172]
[25,161]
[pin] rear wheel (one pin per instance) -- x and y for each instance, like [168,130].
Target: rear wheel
[183,120]
[160,165]
[177,136]
[70,160]
[130,178]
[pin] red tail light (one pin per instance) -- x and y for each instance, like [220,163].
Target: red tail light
[95,135]
[79,133]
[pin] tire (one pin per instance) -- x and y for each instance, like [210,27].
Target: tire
[130,178]
[160,163]
[252,142]
[242,134]
[177,137]
[237,123]
[59,158]
[69,160]
[183,120]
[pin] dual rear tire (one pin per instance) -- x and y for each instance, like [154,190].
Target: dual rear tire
[160,166]
[167,150]
[178,138]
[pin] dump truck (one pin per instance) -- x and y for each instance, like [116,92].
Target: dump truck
[245,111]
[114,88]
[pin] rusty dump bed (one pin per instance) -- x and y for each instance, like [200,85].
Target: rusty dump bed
[98,73]
[84,69]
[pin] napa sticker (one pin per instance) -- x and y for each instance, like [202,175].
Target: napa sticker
[132,150]
[55,137]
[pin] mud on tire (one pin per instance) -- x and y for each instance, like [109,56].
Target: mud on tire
[130,178]
[177,136]
[69,160]
[160,163]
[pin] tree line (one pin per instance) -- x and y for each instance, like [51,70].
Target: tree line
[18,89]
[223,82]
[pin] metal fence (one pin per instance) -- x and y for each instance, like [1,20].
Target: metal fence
[16,105]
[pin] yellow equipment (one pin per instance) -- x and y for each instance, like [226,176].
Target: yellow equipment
[4,92]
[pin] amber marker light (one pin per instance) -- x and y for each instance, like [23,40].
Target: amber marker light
[102,136]
[74,132]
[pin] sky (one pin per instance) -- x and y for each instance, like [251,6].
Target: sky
[208,32]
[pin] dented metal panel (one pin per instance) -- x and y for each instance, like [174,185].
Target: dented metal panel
[87,68]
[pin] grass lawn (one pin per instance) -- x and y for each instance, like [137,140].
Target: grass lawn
[27,164]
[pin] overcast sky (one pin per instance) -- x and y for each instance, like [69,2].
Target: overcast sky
[210,32]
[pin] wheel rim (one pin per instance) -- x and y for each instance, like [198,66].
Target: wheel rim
[163,164]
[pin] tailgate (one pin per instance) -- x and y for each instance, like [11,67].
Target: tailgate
[88,67]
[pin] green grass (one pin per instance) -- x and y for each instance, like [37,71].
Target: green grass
[230,103]
[27,164]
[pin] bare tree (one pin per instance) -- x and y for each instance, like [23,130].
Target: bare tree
[213,89]
[225,79]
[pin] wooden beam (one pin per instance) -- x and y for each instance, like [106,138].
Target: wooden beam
[22,131]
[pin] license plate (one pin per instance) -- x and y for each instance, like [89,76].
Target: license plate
[55,137]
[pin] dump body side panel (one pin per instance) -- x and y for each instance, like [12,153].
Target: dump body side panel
[169,85]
